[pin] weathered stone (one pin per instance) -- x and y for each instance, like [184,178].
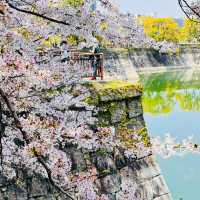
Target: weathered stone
[119,159]
[78,162]
[104,115]
[118,112]
[148,168]
[104,163]
[112,91]
[144,191]
[3,180]
[136,123]
[134,108]
[13,192]
[128,173]
[164,197]
[159,186]
[111,196]
[38,187]
[111,183]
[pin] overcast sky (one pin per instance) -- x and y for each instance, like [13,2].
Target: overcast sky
[162,8]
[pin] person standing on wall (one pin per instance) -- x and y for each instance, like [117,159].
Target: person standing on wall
[95,61]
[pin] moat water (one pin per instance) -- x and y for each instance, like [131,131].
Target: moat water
[171,104]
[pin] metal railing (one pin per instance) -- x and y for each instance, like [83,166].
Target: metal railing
[85,61]
[81,58]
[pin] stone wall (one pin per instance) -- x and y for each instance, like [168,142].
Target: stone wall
[115,104]
[123,64]
[119,104]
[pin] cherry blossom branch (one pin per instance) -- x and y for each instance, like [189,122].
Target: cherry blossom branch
[41,161]
[25,137]
[14,116]
[181,2]
[40,15]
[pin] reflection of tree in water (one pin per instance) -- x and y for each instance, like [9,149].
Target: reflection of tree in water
[189,100]
[157,103]
[164,102]
[163,91]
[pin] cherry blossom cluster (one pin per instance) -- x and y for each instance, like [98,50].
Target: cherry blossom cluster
[169,146]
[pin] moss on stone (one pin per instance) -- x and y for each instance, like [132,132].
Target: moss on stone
[111,113]
[143,132]
[114,100]
[112,90]
[104,119]
[125,133]
[102,152]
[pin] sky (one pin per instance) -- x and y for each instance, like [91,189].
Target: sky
[162,8]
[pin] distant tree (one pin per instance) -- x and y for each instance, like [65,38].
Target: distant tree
[161,29]
[190,31]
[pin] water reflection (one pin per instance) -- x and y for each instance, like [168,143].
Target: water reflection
[171,103]
[162,91]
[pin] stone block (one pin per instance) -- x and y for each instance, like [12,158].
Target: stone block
[134,108]
[128,173]
[112,91]
[38,187]
[156,187]
[148,168]
[118,112]
[120,161]
[164,197]
[159,186]
[144,191]
[104,163]
[111,113]
[111,196]
[78,162]
[111,184]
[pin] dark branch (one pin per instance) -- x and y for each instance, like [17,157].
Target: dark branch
[25,137]
[14,116]
[184,5]
[40,15]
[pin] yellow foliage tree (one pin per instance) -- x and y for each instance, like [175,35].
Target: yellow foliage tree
[161,29]
[190,31]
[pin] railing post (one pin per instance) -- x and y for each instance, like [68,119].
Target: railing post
[101,67]
[83,59]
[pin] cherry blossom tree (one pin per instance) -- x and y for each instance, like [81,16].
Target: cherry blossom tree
[191,8]
[35,97]
[36,88]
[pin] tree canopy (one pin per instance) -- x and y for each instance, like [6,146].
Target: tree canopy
[161,29]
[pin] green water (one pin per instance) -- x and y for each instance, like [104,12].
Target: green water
[171,104]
